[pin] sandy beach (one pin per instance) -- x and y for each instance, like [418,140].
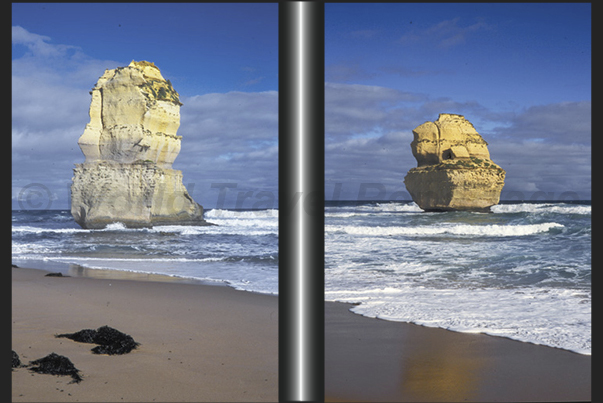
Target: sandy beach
[211,343]
[375,360]
[198,342]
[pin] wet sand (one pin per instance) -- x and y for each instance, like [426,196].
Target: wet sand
[198,342]
[381,361]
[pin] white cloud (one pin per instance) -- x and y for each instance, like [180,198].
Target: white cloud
[253,81]
[40,107]
[230,115]
[38,45]
[547,148]
[50,100]
[353,108]
[347,71]
[230,138]
[565,122]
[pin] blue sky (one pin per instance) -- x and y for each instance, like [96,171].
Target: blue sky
[221,58]
[204,47]
[521,73]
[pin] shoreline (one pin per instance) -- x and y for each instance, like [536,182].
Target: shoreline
[77,270]
[198,342]
[375,360]
[351,306]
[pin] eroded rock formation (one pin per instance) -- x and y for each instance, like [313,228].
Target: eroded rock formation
[454,170]
[130,145]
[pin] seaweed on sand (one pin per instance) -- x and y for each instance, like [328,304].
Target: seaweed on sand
[57,274]
[16,361]
[111,341]
[56,365]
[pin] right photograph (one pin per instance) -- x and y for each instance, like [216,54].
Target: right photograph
[458,202]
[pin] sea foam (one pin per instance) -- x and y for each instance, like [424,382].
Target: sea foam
[545,208]
[493,230]
[497,312]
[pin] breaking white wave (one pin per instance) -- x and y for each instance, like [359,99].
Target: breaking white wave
[533,208]
[226,227]
[497,312]
[236,227]
[493,230]
[349,211]
[32,249]
[407,208]
[219,213]
[115,226]
[544,208]
[39,230]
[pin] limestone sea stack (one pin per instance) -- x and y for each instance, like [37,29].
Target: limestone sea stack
[130,145]
[454,170]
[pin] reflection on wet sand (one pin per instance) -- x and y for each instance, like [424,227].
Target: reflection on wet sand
[77,270]
[441,371]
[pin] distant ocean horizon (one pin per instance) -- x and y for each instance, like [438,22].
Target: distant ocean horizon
[522,271]
[350,202]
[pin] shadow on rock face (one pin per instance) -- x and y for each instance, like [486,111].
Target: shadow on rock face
[111,341]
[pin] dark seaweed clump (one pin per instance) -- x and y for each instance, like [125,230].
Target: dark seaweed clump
[57,274]
[111,341]
[16,360]
[56,365]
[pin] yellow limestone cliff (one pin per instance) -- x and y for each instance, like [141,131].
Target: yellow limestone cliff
[130,145]
[454,170]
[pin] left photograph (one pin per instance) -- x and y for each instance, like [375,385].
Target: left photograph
[144,202]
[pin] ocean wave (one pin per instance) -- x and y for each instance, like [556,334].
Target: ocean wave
[152,258]
[377,207]
[245,222]
[546,208]
[498,312]
[454,229]
[33,249]
[38,230]
[225,227]
[117,226]
[178,229]
[219,213]
[108,260]
[363,210]
[541,208]
[395,207]
[345,215]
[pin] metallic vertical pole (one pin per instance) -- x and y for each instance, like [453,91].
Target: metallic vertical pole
[301,201]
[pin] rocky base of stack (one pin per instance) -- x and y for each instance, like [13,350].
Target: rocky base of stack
[470,185]
[137,195]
